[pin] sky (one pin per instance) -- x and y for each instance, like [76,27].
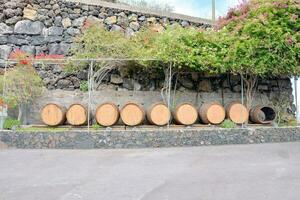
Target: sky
[199,8]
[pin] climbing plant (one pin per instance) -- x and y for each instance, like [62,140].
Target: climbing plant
[262,39]
[257,39]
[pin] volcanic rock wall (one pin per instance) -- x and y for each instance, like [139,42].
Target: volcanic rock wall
[50,27]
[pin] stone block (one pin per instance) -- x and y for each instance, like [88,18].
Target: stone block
[116,79]
[30,14]
[63,83]
[5,51]
[13,20]
[151,19]
[17,40]
[28,49]
[205,86]
[59,49]
[73,31]
[135,26]
[186,82]
[3,40]
[66,22]
[78,22]
[29,28]
[110,20]
[116,28]
[5,30]
[55,31]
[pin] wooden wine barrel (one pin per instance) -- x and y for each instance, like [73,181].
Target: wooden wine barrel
[262,114]
[185,114]
[212,113]
[107,114]
[132,114]
[77,115]
[159,114]
[53,114]
[237,113]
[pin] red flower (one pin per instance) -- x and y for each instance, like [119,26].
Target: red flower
[21,57]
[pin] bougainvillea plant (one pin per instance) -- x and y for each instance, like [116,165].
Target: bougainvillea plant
[263,40]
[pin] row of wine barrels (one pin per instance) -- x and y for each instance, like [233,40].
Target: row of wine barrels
[133,114]
[54,114]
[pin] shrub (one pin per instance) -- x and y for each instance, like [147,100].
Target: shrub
[10,123]
[292,122]
[21,85]
[228,124]
[96,127]
[84,86]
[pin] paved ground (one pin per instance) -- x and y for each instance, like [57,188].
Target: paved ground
[269,171]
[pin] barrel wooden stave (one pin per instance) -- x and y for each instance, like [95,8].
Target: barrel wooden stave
[212,113]
[262,114]
[107,114]
[132,114]
[185,114]
[53,114]
[159,114]
[237,113]
[77,115]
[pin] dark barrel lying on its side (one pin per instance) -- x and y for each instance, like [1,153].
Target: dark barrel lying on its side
[262,114]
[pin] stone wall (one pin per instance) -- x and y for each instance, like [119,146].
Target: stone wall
[50,26]
[145,138]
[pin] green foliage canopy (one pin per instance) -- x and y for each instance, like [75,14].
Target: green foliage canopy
[258,38]
[263,38]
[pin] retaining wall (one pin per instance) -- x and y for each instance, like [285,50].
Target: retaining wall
[146,138]
[50,26]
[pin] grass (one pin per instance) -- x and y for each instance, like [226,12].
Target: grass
[40,129]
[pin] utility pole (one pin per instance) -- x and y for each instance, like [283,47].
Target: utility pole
[213,9]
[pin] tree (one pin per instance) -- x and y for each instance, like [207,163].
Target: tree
[21,84]
[263,40]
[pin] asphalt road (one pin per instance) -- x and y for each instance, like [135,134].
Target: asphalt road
[241,172]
